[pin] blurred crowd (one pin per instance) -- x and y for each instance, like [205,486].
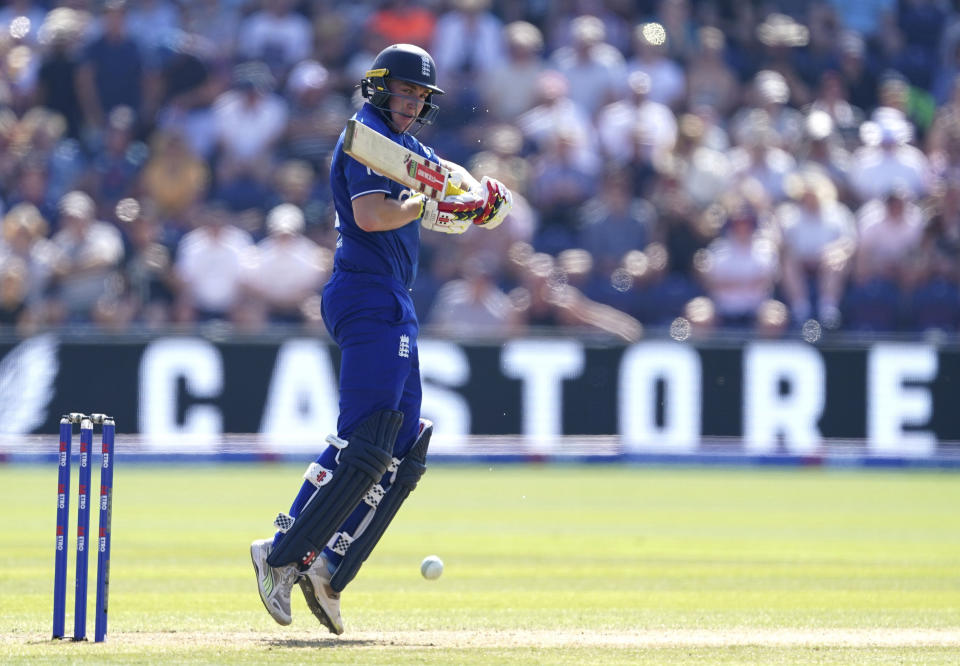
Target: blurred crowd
[695,166]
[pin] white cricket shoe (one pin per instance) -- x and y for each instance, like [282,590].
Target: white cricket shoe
[274,583]
[321,598]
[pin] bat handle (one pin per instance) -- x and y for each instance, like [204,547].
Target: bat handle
[453,189]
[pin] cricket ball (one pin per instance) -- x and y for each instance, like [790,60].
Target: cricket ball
[431,567]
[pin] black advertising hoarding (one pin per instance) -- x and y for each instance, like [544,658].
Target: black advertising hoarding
[657,396]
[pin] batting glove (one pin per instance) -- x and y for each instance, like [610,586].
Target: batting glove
[452,215]
[498,200]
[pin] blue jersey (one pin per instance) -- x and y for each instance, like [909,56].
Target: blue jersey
[394,253]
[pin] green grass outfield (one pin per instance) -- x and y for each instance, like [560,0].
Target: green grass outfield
[544,564]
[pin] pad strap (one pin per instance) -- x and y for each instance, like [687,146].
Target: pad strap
[283,522]
[340,543]
[374,495]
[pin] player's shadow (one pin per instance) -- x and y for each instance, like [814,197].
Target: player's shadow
[320,642]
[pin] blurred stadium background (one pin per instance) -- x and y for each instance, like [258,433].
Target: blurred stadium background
[737,225]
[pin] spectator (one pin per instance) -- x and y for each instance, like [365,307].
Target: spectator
[61,156]
[275,35]
[560,184]
[625,287]
[403,22]
[831,99]
[32,186]
[593,68]
[760,158]
[473,305]
[682,229]
[769,94]
[209,267]
[317,114]
[739,269]
[781,37]
[502,154]
[185,88]
[509,88]
[712,128]
[148,267]
[898,103]
[174,178]
[333,46]
[363,54]
[667,78]
[887,158]
[890,229]
[822,150]
[945,161]
[946,122]
[248,123]
[711,82]
[818,238]
[858,77]
[59,62]
[661,290]
[111,73]
[821,54]
[637,129]
[615,222]
[436,269]
[89,256]
[468,38]
[13,293]
[287,271]
[116,168]
[24,242]
[296,183]
[556,113]
[932,274]
[702,171]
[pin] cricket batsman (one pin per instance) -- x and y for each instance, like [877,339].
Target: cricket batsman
[357,484]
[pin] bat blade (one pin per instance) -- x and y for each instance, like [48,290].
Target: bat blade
[397,163]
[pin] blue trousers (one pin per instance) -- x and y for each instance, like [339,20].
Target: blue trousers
[373,322]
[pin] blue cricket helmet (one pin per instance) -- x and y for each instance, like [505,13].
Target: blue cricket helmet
[403,62]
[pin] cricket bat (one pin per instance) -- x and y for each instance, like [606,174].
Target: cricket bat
[397,163]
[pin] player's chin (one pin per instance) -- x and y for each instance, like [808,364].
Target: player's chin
[403,123]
